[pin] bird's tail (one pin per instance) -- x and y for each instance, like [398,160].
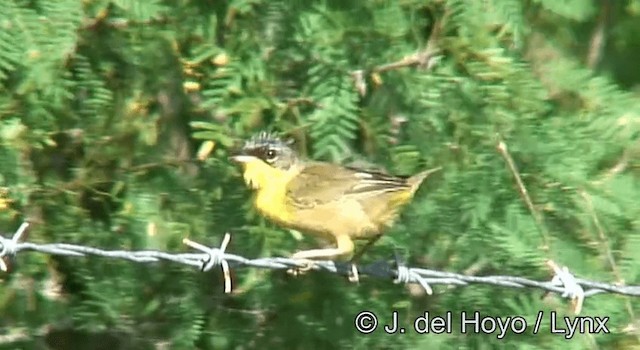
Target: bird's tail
[416,180]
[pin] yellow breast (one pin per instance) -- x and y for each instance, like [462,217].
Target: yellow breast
[270,185]
[271,202]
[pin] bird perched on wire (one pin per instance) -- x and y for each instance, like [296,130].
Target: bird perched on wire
[326,200]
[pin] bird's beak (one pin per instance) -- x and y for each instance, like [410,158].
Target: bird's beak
[242,158]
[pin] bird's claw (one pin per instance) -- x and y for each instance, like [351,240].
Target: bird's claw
[304,265]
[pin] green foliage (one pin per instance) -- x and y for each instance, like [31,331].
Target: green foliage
[105,106]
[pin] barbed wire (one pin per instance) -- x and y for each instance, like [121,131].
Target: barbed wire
[563,281]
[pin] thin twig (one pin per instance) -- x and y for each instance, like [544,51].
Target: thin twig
[621,165]
[606,247]
[598,38]
[502,148]
[423,58]
[426,58]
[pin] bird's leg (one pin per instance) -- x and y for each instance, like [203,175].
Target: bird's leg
[367,245]
[354,270]
[344,247]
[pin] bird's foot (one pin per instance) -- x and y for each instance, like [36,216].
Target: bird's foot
[354,277]
[304,265]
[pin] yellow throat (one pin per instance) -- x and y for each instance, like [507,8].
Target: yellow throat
[270,185]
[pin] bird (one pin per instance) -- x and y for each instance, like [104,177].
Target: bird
[322,199]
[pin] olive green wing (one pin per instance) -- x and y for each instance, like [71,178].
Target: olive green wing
[320,183]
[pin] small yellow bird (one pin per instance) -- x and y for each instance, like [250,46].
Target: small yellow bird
[323,199]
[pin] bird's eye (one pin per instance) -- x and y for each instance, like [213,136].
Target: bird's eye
[271,155]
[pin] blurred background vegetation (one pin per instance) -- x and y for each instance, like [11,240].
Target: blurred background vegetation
[109,110]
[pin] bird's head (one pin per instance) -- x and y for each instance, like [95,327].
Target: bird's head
[265,157]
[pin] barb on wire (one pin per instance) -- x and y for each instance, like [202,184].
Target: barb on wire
[563,282]
[215,257]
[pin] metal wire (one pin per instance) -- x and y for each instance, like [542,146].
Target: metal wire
[563,282]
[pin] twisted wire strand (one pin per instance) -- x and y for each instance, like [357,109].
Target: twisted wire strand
[563,281]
